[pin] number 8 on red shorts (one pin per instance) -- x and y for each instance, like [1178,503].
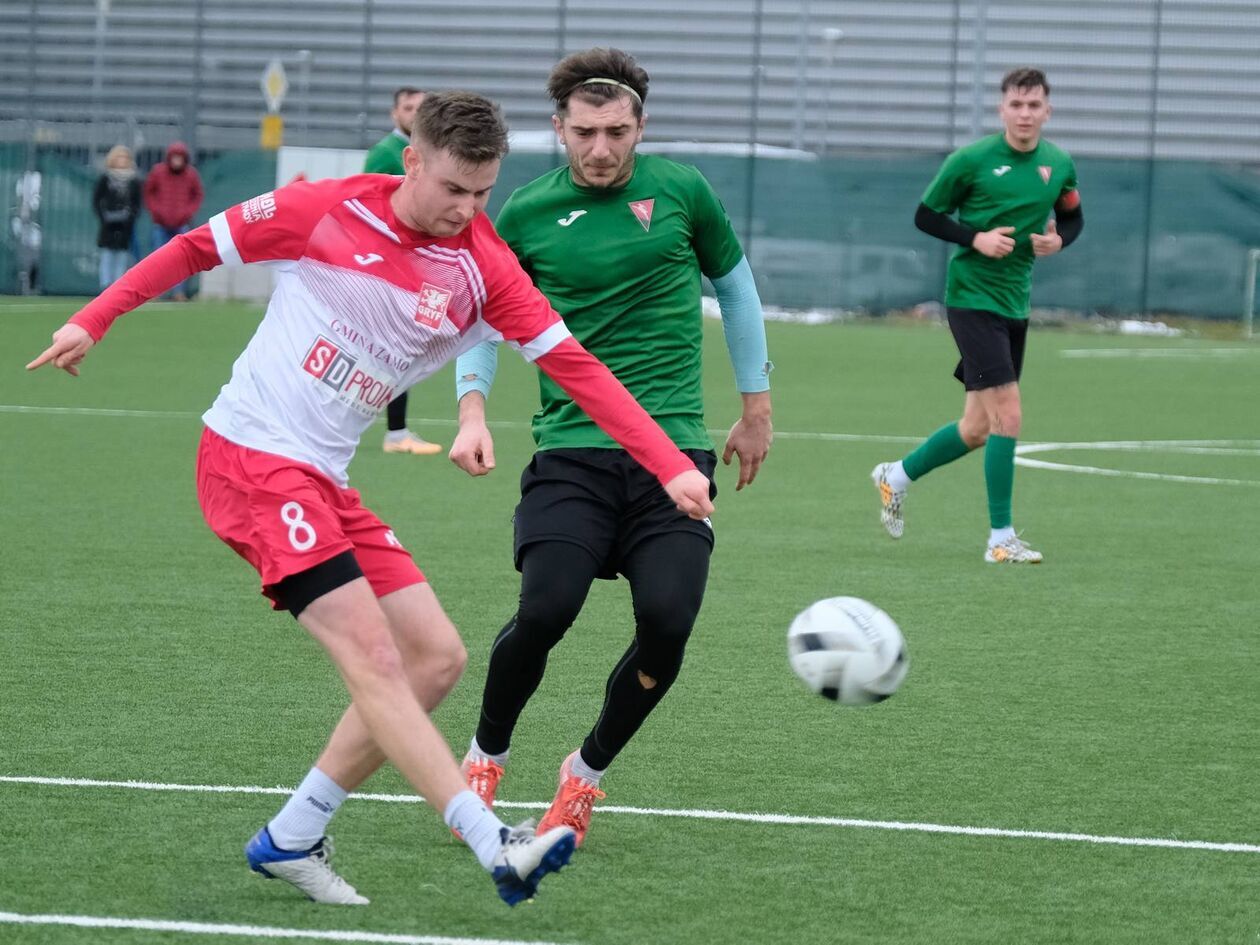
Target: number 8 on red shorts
[284,517]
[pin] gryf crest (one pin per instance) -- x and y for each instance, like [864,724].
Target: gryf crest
[432,307]
[642,210]
[1045,170]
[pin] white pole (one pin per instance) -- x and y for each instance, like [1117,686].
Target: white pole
[1249,306]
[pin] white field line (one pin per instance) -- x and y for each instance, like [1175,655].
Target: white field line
[254,932]
[1222,447]
[688,814]
[1186,354]
[1192,447]
[447,421]
[1131,474]
[1218,447]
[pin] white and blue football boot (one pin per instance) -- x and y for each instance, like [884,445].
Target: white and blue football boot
[526,858]
[309,870]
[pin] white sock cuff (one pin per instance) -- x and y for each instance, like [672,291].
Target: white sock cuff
[499,759]
[302,820]
[999,535]
[584,771]
[317,781]
[897,478]
[477,824]
[457,805]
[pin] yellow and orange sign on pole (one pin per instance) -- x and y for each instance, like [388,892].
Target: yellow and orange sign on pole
[274,86]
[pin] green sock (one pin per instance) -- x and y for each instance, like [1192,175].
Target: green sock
[999,478]
[943,446]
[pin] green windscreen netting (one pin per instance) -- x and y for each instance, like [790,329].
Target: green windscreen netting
[830,233]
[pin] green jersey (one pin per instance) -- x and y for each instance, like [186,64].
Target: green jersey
[991,184]
[385,157]
[622,267]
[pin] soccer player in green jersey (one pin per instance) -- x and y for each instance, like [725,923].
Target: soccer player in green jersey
[1004,188]
[618,243]
[386,157]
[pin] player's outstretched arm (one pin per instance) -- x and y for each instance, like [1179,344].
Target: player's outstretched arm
[186,254]
[69,347]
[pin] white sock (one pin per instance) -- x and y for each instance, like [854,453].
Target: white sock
[999,535]
[478,826]
[582,770]
[475,749]
[302,820]
[393,436]
[896,476]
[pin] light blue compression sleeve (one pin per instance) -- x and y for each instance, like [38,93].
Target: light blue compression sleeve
[744,327]
[479,364]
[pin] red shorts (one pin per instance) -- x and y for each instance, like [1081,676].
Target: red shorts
[283,517]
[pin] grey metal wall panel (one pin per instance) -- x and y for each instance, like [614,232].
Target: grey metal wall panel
[1132,78]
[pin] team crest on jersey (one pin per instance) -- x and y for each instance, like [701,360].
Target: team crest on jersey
[258,208]
[432,307]
[642,210]
[1045,170]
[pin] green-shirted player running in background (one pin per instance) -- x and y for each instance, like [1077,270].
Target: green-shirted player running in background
[618,243]
[1004,188]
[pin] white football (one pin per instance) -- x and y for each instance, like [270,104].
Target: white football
[848,650]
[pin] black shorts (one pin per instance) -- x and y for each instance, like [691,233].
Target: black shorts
[602,500]
[991,345]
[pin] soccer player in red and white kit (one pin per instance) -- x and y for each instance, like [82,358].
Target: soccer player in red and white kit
[379,283]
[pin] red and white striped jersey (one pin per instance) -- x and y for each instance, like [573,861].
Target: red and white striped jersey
[363,308]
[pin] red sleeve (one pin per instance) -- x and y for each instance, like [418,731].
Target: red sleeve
[523,316]
[275,225]
[187,253]
[594,388]
[514,306]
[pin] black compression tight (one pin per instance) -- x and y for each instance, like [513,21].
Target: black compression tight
[396,413]
[667,575]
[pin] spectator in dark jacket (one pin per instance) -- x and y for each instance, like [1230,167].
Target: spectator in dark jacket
[172,195]
[116,201]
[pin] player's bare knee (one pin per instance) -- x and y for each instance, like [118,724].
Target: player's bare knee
[1007,423]
[973,433]
[441,668]
[371,651]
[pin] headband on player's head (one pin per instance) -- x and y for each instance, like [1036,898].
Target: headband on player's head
[621,85]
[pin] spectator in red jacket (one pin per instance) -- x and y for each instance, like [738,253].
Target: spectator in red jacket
[173,195]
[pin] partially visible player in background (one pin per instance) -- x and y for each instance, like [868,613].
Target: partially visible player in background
[386,157]
[380,281]
[1004,188]
[618,243]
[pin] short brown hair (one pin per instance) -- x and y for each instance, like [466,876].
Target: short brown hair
[468,125]
[571,72]
[1025,78]
[403,91]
